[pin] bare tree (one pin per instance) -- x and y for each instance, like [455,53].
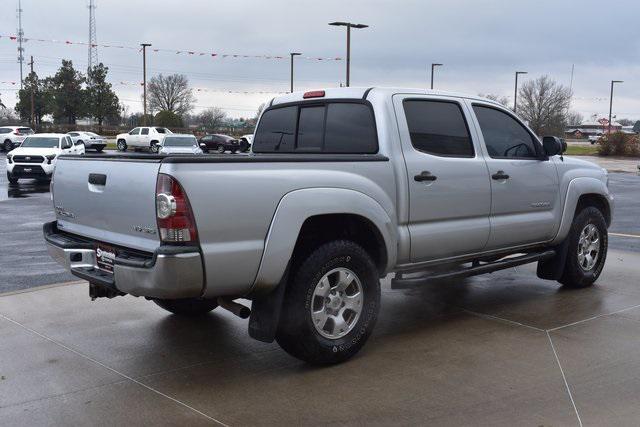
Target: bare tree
[171,93]
[574,118]
[544,104]
[626,122]
[497,98]
[212,118]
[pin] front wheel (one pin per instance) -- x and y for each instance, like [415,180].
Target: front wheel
[220,149]
[121,145]
[587,249]
[154,148]
[11,179]
[330,305]
[187,306]
[8,146]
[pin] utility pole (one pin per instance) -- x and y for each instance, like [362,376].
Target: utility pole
[515,93]
[433,66]
[349,26]
[20,40]
[33,116]
[292,55]
[611,101]
[144,80]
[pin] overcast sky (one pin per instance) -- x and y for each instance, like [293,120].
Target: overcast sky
[480,42]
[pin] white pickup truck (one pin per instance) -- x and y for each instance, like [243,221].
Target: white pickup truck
[142,138]
[343,187]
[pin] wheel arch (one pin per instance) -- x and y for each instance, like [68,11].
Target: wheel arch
[582,192]
[308,217]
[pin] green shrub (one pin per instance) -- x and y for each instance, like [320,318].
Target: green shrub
[168,119]
[619,144]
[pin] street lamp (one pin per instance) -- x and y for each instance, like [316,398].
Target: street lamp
[349,26]
[515,94]
[611,101]
[292,55]
[432,68]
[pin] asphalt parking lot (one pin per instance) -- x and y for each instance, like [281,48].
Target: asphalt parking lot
[501,349]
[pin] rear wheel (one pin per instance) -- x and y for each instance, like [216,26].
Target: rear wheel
[187,306]
[587,249]
[8,146]
[121,145]
[11,179]
[331,304]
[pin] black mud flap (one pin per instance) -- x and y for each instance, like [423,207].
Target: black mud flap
[265,312]
[552,268]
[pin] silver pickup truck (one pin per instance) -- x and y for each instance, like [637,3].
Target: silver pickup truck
[343,187]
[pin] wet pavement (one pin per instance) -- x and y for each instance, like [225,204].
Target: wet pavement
[500,349]
[504,349]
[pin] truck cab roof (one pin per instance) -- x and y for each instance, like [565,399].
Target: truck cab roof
[366,93]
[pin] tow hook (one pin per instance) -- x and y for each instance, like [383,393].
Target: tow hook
[239,310]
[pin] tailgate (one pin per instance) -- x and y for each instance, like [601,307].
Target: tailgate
[108,199]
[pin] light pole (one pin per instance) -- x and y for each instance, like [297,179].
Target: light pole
[611,101]
[433,66]
[292,55]
[349,26]
[144,81]
[515,93]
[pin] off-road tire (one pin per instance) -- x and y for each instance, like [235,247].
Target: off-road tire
[187,306]
[296,333]
[574,276]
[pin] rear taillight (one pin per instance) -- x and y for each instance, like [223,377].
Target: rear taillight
[17,133]
[173,212]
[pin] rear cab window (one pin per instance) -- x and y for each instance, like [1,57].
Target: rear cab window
[328,126]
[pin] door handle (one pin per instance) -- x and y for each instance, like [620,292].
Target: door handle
[97,179]
[425,176]
[500,175]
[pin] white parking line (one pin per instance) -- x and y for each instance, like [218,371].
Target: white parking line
[111,369]
[635,236]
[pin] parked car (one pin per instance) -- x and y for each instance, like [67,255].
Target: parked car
[179,144]
[245,142]
[141,138]
[12,136]
[219,143]
[346,186]
[90,140]
[37,156]
[593,139]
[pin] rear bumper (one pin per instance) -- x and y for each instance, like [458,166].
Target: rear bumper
[170,272]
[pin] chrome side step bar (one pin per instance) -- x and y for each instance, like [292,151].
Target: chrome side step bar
[402,282]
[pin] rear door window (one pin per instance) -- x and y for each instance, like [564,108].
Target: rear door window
[328,127]
[145,131]
[438,128]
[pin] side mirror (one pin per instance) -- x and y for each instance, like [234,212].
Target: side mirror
[553,145]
